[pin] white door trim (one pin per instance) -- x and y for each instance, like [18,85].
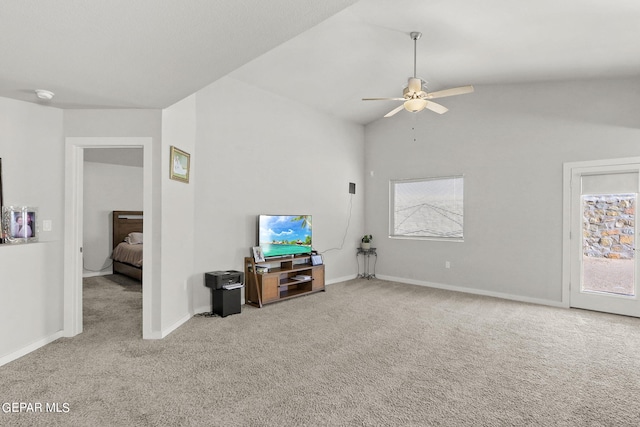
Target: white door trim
[568,171]
[74,158]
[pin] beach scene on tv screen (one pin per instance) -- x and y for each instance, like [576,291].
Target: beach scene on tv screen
[285,234]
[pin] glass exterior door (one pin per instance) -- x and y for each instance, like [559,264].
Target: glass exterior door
[603,229]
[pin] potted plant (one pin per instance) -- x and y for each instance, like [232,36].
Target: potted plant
[366,241]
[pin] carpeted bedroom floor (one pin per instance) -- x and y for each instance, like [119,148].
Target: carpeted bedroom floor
[363,353]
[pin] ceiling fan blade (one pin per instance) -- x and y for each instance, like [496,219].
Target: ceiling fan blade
[450,92]
[440,109]
[394,111]
[383,99]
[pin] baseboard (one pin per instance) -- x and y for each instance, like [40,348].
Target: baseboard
[206,309]
[94,274]
[31,347]
[175,326]
[340,279]
[474,291]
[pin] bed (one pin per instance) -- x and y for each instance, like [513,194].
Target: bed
[127,243]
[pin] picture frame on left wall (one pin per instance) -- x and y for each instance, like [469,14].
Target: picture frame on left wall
[179,165]
[20,224]
[1,205]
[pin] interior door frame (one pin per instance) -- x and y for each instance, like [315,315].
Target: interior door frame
[568,171]
[74,171]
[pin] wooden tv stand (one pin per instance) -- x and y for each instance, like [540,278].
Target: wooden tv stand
[280,282]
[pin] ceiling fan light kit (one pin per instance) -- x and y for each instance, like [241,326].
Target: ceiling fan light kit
[415,95]
[415,105]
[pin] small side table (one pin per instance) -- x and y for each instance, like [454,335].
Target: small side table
[366,259]
[225,302]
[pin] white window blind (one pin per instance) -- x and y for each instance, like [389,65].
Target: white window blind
[428,208]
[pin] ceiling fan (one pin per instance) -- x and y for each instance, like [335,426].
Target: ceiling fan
[415,96]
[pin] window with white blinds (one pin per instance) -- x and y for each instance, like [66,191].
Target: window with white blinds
[428,208]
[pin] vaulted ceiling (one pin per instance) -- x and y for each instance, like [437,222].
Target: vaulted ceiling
[327,54]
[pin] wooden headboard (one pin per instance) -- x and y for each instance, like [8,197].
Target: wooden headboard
[125,222]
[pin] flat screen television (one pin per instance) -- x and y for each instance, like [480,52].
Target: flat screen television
[283,235]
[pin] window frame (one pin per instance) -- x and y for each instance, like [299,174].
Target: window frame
[392,188]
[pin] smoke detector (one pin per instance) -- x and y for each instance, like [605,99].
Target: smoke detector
[44,94]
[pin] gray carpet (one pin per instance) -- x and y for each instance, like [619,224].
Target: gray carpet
[365,353]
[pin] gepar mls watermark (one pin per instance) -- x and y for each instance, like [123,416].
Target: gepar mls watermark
[35,407]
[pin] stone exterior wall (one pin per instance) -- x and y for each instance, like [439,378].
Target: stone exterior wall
[609,226]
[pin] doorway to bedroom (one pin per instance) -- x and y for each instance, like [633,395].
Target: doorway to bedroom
[75,193]
[113,180]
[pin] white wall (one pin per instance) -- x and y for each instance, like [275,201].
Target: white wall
[31,275]
[510,143]
[107,187]
[271,155]
[178,211]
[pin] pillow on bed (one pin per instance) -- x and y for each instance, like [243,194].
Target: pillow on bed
[134,239]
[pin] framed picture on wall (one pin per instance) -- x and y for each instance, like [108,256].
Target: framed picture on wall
[20,224]
[180,164]
[1,204]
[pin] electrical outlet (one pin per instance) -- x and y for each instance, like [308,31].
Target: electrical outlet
[447,264]
[352,188]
